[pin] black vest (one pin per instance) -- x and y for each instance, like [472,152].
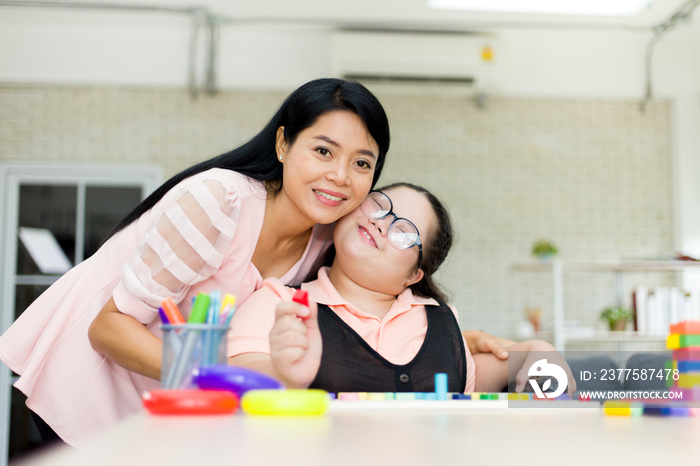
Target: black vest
[349,364]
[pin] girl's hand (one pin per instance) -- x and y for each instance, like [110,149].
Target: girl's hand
[295,343]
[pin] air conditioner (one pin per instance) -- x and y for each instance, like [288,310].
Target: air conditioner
[463,60]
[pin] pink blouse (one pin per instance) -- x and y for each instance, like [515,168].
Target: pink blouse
[397,337]
[199,237]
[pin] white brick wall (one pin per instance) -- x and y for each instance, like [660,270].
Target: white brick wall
[594,176]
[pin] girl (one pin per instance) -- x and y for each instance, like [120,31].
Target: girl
[381,324]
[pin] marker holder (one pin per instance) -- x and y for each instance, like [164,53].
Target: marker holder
[187,347]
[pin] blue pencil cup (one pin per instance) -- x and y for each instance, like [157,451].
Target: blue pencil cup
[187,347]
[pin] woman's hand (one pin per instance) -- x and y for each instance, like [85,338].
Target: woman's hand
[480,342]
[295,344]
[538,350]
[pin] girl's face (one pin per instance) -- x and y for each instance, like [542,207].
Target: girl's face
[363,250]
[328,170]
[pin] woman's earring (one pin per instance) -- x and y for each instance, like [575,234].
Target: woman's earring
[280,158]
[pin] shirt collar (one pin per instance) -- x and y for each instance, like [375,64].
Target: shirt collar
[322,291]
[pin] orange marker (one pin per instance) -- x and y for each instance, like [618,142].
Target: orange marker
[172,312]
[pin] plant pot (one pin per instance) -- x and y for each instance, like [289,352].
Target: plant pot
[544,257]
[618,326]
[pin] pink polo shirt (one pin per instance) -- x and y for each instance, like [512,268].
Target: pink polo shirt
[397,337]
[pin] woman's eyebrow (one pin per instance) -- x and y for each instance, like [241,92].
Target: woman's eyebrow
[337,144]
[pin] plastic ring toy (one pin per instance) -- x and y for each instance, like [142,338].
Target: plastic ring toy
[291,402]
[235,379]
[189,402]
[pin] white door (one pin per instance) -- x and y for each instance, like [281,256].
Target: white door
[53,217]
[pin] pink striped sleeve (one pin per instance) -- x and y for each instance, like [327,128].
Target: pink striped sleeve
[185,244]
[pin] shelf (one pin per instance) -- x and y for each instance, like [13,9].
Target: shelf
[626,336]
[556,267]
[621,266]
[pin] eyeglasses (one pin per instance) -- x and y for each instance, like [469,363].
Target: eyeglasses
[402,233]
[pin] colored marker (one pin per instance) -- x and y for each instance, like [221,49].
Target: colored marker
[163,316]
[301,297]
[228,307]
[198,314]
[172,312]
[210,342]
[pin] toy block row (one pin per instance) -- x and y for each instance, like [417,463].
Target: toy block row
[411,396]
[640,408]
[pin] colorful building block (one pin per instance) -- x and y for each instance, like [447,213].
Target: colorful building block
[686,354]
[679,340]
[688,380]
[622,408]
[687,366]
[686,326]
[441,386]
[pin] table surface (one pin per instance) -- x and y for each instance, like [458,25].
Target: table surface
[360,435]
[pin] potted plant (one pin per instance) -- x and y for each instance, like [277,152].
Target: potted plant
[617,317]
[544,249]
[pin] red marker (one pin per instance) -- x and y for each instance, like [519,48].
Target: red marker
[301,297]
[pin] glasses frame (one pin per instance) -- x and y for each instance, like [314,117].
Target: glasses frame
[396,219]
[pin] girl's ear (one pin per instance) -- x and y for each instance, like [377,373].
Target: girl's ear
[280,143]
[413,277]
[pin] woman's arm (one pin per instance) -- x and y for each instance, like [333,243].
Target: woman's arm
[126,341]
[480,342]
[492,374]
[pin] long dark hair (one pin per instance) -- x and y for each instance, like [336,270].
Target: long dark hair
[434,251]
[257,158]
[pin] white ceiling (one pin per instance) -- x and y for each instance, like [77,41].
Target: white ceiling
[408,14]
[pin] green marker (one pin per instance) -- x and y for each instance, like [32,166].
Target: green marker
[198,314]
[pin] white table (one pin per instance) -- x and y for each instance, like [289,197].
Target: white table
[387,437]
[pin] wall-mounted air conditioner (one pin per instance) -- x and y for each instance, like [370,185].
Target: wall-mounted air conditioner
[462,60]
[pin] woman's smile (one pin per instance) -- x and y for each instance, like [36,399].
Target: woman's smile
[330,198]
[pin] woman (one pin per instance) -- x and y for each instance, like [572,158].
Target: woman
[90,345]
[382,324]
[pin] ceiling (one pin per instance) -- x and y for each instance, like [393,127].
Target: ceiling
[410,14]
[353,14]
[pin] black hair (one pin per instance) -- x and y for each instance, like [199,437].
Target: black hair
[437,247]
[257,158]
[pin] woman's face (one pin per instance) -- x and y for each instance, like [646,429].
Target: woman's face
[363,250]
[328,170]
